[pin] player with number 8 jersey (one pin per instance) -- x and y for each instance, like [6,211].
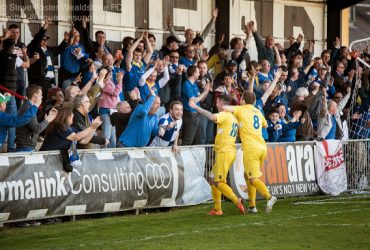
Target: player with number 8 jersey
[251,122]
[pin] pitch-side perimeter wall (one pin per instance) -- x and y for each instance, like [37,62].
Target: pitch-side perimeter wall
[35,186]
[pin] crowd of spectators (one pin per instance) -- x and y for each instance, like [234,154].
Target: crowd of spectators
[139,96]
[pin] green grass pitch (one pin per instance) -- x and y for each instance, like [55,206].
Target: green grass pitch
[320,222]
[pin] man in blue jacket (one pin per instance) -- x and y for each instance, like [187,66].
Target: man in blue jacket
[143,124]
[8,120]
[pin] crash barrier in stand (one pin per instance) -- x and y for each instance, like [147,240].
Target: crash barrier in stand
[35,186]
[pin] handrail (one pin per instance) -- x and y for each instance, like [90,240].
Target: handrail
[359,41]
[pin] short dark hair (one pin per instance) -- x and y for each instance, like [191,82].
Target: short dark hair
[284,68]
[31,90]
[234,41]
[227,75]
[273,110]
[197,39]
[126,41]
[13,26]
[150,35]
[201,61]
[191,70]
[225,99]
[173,103]
[99,32]
[249,97]
[138,50]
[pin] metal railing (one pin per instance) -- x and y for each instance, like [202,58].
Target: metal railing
[362,45]
[357,159]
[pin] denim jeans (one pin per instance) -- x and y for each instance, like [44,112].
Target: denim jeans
[205,131]
[24,150]
[11,108]
[108,130]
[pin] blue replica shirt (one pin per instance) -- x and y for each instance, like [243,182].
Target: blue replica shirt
[259,105]
[144,90]
[170,135]
[8,121]
[141,126]
[289,131]
[132,78]
[188,91]
[185,61]
[72,62]
[331,134]
[273,134]
[263,77]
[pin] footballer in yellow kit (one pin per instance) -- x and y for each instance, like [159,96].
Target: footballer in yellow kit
[227,130]
[254,146]
[251,122]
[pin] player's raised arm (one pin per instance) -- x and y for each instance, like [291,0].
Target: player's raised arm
[203,112]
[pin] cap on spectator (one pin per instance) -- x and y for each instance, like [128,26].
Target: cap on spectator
[231,63]
[4,98]
[45,37]
[172,39]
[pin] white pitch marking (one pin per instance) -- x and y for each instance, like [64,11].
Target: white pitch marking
[210,229]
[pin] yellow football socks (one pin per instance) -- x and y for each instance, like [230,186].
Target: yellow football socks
[251,194]
[216,195]
[228,192]
[261,188]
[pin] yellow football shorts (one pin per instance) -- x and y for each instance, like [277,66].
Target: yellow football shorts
[253,160]
[223,162]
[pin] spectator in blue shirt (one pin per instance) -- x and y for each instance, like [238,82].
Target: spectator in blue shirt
[143,124]
[8,120]
[290,124]
[274,126]
[135,62]
[71,60]
[189,91]
[188,59]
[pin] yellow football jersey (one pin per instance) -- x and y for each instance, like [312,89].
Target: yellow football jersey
[227,130]
[251,122]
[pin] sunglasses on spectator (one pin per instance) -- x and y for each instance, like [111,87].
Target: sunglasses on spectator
[174,57]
